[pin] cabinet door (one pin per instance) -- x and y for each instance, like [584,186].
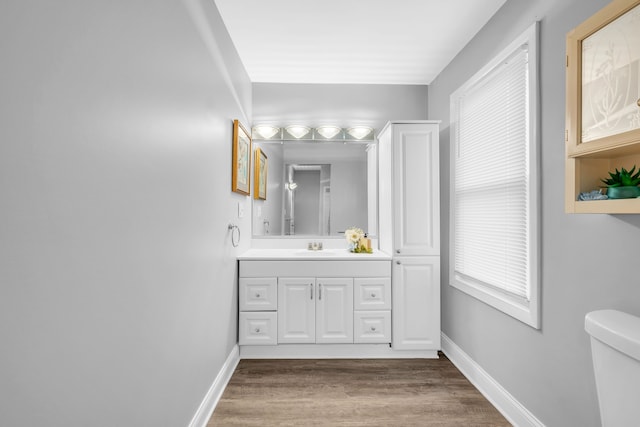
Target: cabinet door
[416,303]
[416,189]
[296,310]
[334,310]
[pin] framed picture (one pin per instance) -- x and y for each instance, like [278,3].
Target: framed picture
[260,175]
[241,166]
[603,79]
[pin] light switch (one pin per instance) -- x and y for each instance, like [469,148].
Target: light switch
[240,210]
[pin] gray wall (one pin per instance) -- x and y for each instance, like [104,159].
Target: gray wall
[588,262]
[339,104]
[117,275]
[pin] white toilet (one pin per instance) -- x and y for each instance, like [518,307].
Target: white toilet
[615,347]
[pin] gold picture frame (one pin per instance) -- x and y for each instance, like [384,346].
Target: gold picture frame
[603,80]
[260,175]
[241,163]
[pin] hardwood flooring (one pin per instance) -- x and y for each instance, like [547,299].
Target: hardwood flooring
[338,392]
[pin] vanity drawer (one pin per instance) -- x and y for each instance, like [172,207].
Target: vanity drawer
[372,326]
[258,328]
[372,293]
[258,294]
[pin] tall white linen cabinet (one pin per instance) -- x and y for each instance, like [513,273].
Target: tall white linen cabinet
[409,228]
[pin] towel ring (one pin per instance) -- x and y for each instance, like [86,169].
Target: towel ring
[233,229]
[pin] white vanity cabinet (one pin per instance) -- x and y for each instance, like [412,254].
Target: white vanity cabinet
[410,230]
[333,305]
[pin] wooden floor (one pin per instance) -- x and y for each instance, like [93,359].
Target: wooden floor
[370,392]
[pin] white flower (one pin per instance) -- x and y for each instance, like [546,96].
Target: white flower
[353,235]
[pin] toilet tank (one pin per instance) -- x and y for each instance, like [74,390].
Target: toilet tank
[615,348]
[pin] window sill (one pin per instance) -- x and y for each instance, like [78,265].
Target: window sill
[525,311]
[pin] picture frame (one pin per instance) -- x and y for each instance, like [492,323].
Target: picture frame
[603,80]
[260,175]
[241,162]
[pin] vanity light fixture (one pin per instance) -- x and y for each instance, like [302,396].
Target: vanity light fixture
[322,133]
[266,131]
[298,131]
[359,132]
[292,185]
[328,131]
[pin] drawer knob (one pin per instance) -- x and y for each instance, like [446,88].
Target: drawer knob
[373,329]
[257,330]
[373,295]
[257,295]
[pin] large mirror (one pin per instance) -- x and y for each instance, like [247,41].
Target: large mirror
[317,189]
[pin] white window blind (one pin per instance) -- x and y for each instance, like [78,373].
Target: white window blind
[494,213]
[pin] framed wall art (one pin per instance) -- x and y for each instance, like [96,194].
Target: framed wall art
[241,163]
[260,175]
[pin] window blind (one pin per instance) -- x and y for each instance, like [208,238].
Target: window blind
[491,189]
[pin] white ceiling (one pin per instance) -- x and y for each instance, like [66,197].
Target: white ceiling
[352,41]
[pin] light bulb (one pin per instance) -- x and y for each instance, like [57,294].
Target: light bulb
[359,132]
[266,131]
[328,131]
[298,131]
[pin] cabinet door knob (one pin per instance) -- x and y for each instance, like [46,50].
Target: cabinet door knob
[373,295]
[397,251]
[398,262]
[257,330]
[257,295]
[319,291]
[311,287]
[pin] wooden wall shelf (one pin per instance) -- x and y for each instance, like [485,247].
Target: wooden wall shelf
[587,162]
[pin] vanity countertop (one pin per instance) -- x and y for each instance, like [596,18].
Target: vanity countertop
[305,254]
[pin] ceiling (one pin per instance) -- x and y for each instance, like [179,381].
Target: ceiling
[351,41]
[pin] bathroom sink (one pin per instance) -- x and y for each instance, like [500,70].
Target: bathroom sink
[322,253]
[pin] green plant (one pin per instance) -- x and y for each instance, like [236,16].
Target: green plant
[623,178]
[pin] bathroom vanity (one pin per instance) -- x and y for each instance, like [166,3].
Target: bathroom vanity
[295,302]
[329,303]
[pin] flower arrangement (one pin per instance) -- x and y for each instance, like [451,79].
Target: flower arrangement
[358,240]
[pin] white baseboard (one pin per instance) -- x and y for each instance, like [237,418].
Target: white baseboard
[202,415]
[510,408]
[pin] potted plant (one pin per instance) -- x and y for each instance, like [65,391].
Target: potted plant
[623,184]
